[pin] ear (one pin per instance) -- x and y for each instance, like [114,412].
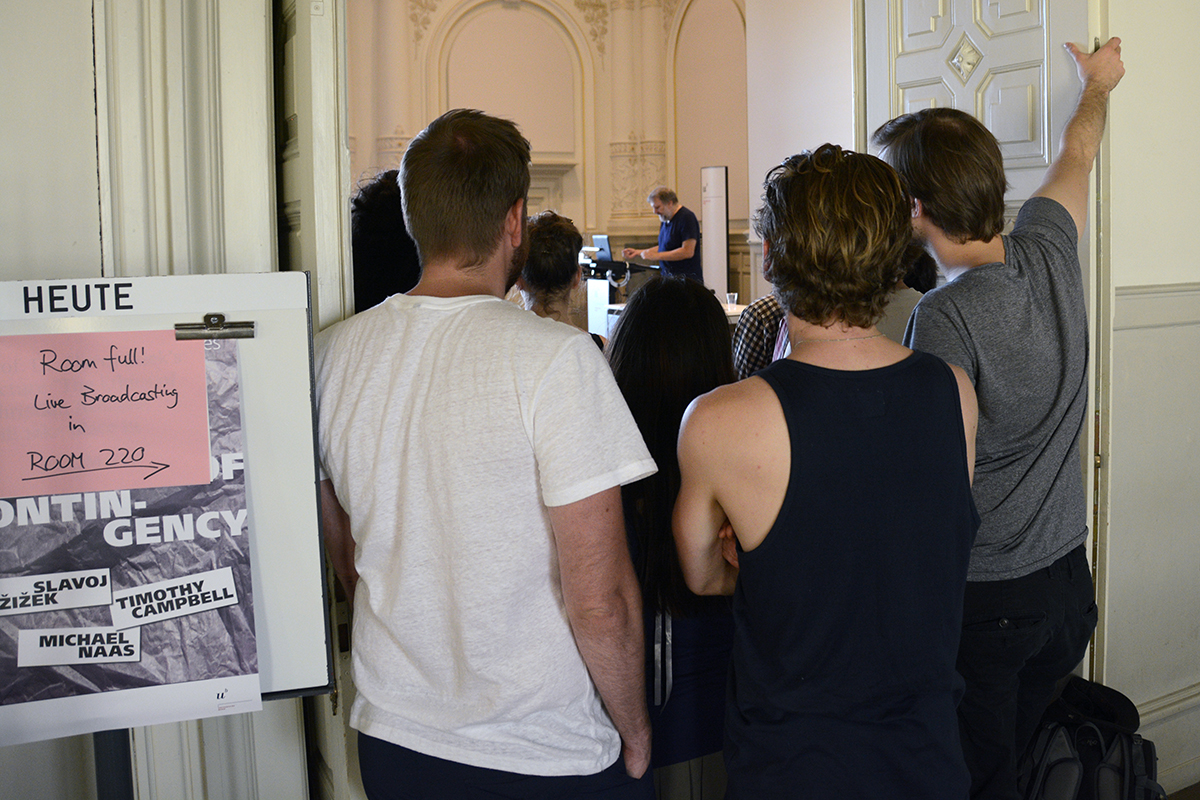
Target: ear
[917,208]
[765,259]
[514,223]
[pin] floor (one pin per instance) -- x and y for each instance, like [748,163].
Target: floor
[1190,793]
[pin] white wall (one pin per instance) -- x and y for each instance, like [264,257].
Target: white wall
[49,204]
[1150,594]
[50,228]
[800,70]
[800,74]
[1153,157]
[710,103]
[1151,197]
[60,769]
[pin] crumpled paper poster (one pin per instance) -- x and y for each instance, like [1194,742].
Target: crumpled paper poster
[132,606]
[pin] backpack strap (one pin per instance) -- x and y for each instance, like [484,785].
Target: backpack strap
[1053,770]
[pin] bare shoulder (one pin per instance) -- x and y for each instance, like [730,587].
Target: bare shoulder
[966,389]
[735,444]
[735,401]
[722,421]
[970,415]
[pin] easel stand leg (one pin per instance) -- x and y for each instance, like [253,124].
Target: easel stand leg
[114,765]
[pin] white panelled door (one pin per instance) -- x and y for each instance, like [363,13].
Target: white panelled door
[999,60]
[1003,62]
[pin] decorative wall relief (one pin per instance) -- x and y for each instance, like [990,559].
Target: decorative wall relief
[390,149]
[595,14]
[668,12]
[654,169]
[964,59]
[625,179]
[637,167]
[420,12]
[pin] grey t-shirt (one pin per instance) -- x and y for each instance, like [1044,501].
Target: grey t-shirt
[1019,329]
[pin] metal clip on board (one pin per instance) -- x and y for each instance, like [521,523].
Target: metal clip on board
[214,326]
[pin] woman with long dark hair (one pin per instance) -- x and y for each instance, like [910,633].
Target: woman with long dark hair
[671,345]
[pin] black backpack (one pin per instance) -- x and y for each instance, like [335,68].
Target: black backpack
[1087,748]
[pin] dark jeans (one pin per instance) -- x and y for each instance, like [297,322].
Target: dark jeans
[391,772]
[1020,637]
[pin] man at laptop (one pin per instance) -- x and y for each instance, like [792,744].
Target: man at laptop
[678,236]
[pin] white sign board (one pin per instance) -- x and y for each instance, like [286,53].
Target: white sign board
[714,228]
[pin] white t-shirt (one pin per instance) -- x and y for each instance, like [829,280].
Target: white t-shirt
[447,425]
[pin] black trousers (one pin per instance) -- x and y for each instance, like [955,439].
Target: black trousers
[391,772]
[1020,637]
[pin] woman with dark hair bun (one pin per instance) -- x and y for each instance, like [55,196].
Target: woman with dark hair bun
[671,345]
[551,273]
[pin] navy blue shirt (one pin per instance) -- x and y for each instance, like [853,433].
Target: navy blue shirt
[671,236]
[847,617]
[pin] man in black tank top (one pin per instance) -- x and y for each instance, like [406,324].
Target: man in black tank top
[830,494]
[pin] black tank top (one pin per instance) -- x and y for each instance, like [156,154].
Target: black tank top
[848,614]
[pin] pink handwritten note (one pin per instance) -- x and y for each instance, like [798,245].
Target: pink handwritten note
[87,412]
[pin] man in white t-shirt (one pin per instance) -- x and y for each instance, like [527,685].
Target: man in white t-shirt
[474,455]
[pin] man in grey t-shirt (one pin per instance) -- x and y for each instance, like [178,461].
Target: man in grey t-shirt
[1012,315]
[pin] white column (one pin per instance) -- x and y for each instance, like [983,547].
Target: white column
[185,153]
[393,66]
[361,34]
[624,146]
[654,165]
